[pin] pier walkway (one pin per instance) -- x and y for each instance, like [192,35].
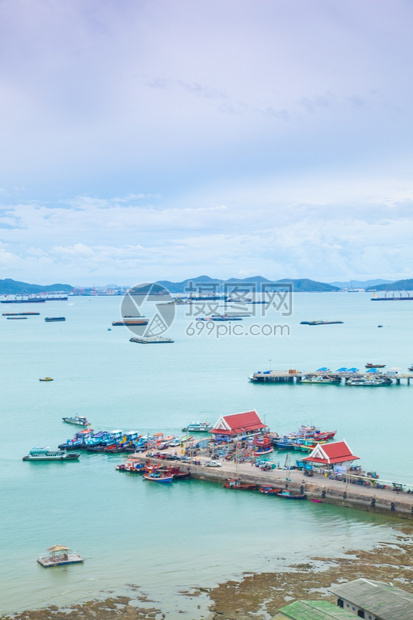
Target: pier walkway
[329,491]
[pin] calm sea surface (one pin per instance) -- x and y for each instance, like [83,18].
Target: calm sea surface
[167,540]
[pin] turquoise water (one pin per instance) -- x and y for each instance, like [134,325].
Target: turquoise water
[192,533]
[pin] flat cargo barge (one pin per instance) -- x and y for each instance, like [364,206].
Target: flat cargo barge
[152,340]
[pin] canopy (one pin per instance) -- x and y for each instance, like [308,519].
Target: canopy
[55,548]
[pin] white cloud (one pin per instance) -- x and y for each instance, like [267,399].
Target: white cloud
[222,135]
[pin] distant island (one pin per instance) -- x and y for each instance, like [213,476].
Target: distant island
[13,287]
[400,285]
[299,285]
[208,285]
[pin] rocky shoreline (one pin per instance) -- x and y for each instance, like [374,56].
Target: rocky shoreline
[259,595]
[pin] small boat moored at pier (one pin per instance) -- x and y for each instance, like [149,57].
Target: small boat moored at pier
[286,494]
[157,476]
[232,483]
[59,555]
[46,454]
[269,490]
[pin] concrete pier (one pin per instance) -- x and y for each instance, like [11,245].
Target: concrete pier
[334,377]
[370,499]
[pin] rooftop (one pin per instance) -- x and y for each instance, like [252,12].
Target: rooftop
[313,610]
[385,601]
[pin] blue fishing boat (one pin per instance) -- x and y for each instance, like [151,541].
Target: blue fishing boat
[286,494]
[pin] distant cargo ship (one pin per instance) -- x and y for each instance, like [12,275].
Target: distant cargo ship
[21,313]
[53,319]
[24,300]
[130,322]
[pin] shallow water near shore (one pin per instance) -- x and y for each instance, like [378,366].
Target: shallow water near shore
[191,533]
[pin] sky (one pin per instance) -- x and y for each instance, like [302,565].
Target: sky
[160,140]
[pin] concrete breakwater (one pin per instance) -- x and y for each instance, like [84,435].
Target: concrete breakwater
[370,499]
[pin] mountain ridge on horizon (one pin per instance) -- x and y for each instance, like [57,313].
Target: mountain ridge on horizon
[14,287]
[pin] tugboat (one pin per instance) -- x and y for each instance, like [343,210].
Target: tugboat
[58,556]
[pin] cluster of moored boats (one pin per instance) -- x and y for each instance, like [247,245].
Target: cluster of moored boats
[118,441]
[304,440]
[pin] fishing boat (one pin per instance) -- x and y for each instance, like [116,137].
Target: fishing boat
[410,369]
[54,319]
[232,483]
[58,556]
[46,379]
[370,365]
[269,490]
[286,494]
[369,382]
[46,454]
[262,445]
[78,420]
[197,427]
[157,476]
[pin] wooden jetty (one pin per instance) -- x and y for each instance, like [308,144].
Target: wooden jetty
[328,491]
[293,376]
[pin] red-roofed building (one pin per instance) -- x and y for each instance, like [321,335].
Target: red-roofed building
[336,453]
[238,425]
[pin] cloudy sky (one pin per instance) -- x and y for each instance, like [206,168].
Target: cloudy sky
[166,139]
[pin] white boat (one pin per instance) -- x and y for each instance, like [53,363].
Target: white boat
[58,556]
[197,427]
[78,420]
[46,454]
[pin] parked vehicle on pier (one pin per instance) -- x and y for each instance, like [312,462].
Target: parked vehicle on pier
[212,464]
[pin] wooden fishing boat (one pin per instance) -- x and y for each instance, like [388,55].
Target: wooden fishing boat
[232,483]
[157,476]
[46,379]
[269,490]
[58,556]
[287,494]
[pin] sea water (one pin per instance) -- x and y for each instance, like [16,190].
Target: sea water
[168,539]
